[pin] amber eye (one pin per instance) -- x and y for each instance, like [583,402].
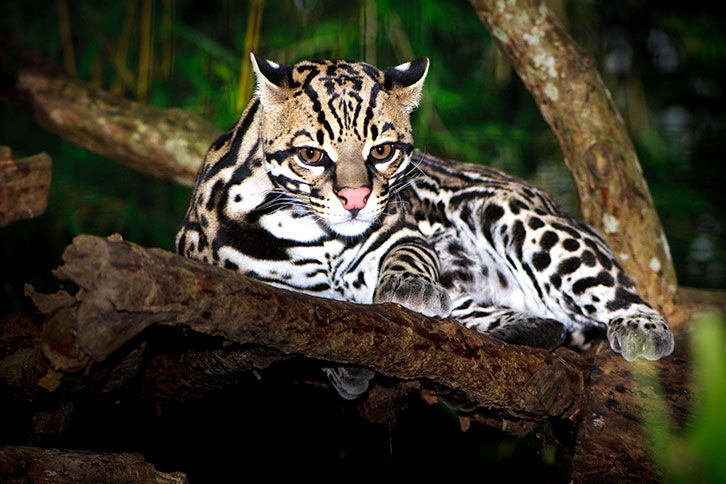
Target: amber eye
[310,156]
[382,153]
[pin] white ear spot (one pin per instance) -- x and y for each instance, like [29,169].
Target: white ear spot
[403,67]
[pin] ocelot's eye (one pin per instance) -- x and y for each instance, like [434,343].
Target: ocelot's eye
[310,156]
[382,153]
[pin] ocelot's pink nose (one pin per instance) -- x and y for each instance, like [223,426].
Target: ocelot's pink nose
[354,199]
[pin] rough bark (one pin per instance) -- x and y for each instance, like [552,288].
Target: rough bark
[123,285]
[126,288]
[165,143]
[24,186]
[611,446]
[33,465]
[38,352]
[578,107]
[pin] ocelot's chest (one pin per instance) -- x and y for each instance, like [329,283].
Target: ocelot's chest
[316,262]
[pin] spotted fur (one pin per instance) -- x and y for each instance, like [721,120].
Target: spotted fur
[318,189]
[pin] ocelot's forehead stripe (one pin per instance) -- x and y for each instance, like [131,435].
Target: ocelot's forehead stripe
[310,72]
[351,90]
[341,123]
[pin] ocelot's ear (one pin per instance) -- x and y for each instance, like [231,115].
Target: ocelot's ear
[406,81]
[272,79]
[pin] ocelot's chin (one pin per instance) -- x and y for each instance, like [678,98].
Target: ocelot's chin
[353,227]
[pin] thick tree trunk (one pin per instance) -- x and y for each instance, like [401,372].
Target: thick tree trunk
[125,288]
[573,100]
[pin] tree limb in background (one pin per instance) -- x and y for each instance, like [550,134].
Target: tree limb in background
[165,143]
[24,186]
[574,101]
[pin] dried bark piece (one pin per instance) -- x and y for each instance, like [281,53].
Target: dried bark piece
[33,465]
[24,186]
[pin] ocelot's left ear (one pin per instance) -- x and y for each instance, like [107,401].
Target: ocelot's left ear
[406,81]
[272,79]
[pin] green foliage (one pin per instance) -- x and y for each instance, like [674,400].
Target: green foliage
[696,453]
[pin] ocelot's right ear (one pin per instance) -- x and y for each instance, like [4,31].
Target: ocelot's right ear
[405,82]
[272,79]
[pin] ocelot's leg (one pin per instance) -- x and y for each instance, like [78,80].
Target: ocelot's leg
[580,277]
[569,268]
[504,324]
[408,277]
[349,381]
[508,325]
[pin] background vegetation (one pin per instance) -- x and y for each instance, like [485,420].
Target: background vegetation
[664,62]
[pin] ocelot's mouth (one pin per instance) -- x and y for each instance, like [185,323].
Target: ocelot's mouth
[354,226]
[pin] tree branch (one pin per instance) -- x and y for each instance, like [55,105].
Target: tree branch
[165,143]
[126,288]
[578,107]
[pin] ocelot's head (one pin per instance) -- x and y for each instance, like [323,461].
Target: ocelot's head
[336,135]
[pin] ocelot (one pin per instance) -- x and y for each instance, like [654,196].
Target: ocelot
[318,189]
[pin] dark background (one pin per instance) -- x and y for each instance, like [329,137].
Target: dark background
[664,63]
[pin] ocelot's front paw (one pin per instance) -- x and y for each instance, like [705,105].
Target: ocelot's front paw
[349,381]
[416,293]
[641,336]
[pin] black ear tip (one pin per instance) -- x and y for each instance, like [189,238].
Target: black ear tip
[406,74]
[419,66]
[277,74]
[420,63]
[261,62]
